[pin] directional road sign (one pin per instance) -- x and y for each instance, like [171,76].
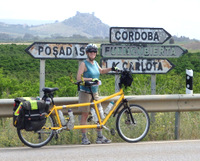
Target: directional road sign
[140,66]
[139,51]
[54,50]
[138,35]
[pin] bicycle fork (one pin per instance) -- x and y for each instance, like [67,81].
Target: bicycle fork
[129,114]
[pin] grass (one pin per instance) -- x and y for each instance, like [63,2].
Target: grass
[162,128]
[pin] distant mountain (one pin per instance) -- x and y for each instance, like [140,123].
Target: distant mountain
[80,27]
[27,22]
[88,24]
[83,24]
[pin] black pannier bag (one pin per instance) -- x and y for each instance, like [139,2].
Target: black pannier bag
[126,79]
[29,114]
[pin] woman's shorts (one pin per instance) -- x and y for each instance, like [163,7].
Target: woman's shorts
[85,98]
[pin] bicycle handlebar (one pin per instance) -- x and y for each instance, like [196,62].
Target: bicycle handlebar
[86,83]
[122,70]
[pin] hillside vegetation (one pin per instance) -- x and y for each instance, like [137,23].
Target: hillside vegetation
[19,75]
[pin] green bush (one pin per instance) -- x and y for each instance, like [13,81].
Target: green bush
[19,75]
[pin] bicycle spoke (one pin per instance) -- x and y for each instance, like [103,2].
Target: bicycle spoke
[38,138]
[133,131]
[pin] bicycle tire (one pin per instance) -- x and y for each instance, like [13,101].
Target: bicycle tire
[39,138]
[129,131]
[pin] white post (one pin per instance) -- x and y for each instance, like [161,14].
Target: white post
[189,81]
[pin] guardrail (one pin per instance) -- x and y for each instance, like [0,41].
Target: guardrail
[152,103]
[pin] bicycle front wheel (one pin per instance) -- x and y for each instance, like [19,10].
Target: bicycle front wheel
[36,139]
[136,130]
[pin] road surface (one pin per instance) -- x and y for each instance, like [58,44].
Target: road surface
[184,150]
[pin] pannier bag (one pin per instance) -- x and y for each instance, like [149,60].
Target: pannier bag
[29,113]
[126,78]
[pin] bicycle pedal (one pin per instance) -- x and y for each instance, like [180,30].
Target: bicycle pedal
[89,119]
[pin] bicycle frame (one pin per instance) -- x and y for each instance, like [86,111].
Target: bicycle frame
[101,123]
[132,121]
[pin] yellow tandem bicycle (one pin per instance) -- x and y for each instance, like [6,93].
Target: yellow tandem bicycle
[132,121]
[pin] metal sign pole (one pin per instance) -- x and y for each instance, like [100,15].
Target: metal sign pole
[117,76]
[153,84]
[153,92]
[42,76]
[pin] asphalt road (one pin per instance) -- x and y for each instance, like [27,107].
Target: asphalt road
[184,150]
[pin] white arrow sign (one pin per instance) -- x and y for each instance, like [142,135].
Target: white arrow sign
[138,35]
[140,66]
[54,50]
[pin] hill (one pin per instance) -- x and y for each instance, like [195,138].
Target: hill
[83,27]
[26,21]
[82,24]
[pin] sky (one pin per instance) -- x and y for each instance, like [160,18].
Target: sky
[178,17]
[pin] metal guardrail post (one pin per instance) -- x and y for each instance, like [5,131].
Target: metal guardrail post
[177,125]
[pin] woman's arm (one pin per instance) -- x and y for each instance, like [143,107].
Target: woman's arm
[105,70]
[81,70]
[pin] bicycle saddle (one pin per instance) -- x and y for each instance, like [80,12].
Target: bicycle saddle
[49,90]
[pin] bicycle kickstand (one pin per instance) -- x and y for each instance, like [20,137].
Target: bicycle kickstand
[106,128]
[112,131]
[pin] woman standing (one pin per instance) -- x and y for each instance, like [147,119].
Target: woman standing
[91,71]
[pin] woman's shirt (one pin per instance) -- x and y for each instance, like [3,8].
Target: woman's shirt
[92,72]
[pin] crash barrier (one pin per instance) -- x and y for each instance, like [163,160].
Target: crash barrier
[152,103]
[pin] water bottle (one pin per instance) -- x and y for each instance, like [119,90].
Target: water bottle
[71,116]
[62,119]
[70,123]
[37,98]
[48,101]
[94,115]
[101,111]
[109,107]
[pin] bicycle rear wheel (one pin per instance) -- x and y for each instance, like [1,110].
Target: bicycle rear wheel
[36,139]
[133,131]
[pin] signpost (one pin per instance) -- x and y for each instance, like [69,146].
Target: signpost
[138,35]
[55,50]
[52,50]
[141,51]
[140,66]
[134,42]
